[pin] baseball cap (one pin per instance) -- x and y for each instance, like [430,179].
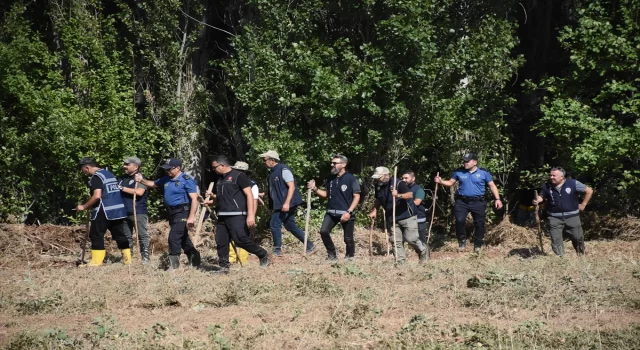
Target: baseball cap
[381,170]
[469,156]
[132,160]
[241,166]
[271,154]
[171,163]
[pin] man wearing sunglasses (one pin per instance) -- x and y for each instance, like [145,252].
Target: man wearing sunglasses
[181,200]
[470,198]
[343,195]
[284,198]
[131,167]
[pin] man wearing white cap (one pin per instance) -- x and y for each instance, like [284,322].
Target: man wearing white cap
[406,212]
[284,197]
[131,167]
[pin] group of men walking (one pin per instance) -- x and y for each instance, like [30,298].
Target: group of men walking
[113,203]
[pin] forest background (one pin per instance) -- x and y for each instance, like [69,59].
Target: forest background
[524,84]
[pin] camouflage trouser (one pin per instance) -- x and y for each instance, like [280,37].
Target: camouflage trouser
[573,226]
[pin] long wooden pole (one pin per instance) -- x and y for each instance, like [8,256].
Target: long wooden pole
[135,217]
[371,241]
[306,223]
[85,239]
[196,237]
[433,210]
[538,222]
[395,245]
[386,231]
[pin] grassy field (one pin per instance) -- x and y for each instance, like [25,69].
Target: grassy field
[506,298]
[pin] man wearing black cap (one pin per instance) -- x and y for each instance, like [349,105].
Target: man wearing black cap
[107,212]
[470,198]
[131,167]
[181,199]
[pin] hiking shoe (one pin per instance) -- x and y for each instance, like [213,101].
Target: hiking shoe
[222,270]
[462,246]
[312,250]
[276,252]
[265,261]
[349,258]
[477,249]
[331,256]
[424,256]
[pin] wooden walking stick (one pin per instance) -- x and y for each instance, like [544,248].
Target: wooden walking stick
[371,240]
[306,224]
[85,239]
[386,231]
[433,209]
[395,245]
[538,222]
[135,217]
[196,237]
[235,250]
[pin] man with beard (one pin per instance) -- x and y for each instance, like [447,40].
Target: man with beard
[470,198]
[563,209]
[343,195]
[418,199]
[131,167]
[406,222]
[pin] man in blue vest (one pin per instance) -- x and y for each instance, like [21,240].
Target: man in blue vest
[409,177]
[470,199]
[284,198]
[563,208]
[181,200]
[343,195]
[131,167]
[406,223]
[107,212]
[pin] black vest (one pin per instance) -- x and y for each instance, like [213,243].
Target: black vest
[563,202]
[141,201]
[278,188]
[340,193]
[421,209]
[229,196]
[405,208]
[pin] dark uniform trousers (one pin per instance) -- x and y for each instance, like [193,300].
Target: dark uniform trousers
[422,231]
[118,228]
[179,234]
[329,222]
[234,228]
[478,209]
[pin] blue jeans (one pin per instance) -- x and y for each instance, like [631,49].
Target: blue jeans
[278,218]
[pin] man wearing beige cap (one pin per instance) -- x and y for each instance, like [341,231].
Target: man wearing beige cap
[131,167]
[406,212]
[284,198]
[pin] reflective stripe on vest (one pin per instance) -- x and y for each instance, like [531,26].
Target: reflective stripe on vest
[340,212]
[229,213]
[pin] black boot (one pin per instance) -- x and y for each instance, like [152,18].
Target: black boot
[194,257]
[144,252]
[331,256]
[174,262]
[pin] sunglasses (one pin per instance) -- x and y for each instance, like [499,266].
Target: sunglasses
[334,163]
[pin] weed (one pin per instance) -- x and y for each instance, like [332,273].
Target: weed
[307,285]
[40,305]
[214,333]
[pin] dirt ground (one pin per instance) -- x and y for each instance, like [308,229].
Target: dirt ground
[510,296]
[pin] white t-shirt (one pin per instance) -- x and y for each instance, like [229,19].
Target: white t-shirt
[255,191]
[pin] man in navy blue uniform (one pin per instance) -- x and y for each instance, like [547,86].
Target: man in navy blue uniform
[107,212]
[470,198]
[131,167]
[181,200]
[406,222]
[409,177]
[343,195]
[236,214]
[284,198]
[563,208]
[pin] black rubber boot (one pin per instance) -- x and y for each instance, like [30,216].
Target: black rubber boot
[194,258]
[144,252]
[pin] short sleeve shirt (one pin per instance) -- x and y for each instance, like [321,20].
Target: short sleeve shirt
[176,191]
[287,175]
[95,184]
[472,184]
[419,194]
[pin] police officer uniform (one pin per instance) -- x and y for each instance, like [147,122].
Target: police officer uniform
[470,198]
[340,191]
[178,203]
[421,216]
[232,217]
[406,221]
[142,211]
[562,205]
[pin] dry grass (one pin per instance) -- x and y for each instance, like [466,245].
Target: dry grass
[506,298]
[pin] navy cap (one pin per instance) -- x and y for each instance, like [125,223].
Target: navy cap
[171,163]
[469,156]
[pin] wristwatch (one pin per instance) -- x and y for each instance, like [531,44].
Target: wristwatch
[350,212]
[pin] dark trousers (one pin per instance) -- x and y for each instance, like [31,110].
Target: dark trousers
[179,234]
[234,228]
[329,222]
[478,210]
[422,231]
[118,228]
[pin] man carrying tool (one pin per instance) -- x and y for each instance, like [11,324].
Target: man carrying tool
[343,195]
[563,208]
[131,167]
[409,177]
[284,198]
[406,223]
[470,198]
[255,191]
[107,212]
[181,200]
[236,215]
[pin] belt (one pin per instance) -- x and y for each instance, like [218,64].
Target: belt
[178,208]
[470,199]
[339,212]
[231,213]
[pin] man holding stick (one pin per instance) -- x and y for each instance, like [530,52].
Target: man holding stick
[343,195]
[470,198]
[563,208]
[406,222]
[181,200]
[409,177]
[131,167]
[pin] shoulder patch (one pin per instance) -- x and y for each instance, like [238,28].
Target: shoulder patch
[186,177]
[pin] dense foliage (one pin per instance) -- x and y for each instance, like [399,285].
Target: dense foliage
[408,83]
